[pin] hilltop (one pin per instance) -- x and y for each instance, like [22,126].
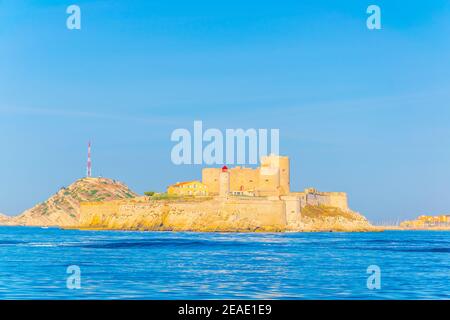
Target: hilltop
[63,208]
[4,219]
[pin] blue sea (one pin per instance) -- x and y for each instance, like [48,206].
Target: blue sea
[34,264]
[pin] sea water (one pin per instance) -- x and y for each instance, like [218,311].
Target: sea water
[35,263]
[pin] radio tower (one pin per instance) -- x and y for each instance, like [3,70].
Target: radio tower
[89,163]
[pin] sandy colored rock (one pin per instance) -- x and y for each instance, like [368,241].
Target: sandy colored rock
[4,219]
[323,218]
[203,215]
[63,208]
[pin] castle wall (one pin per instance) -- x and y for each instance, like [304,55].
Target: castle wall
[272,178]
[336,199]
[316,198]
[233,214]
[243,179]
[292,210]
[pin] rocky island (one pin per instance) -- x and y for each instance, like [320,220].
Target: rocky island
[238,199]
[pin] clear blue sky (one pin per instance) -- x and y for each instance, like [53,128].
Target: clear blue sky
[366,112]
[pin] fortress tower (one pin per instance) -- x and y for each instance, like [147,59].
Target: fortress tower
[210,177]
[274,176]
[285,175]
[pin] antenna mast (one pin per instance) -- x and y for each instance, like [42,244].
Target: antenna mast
[89,163]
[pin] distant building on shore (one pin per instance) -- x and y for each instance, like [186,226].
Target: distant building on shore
[191,188]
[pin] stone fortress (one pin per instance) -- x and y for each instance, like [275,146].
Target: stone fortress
[271,179]
[237,199]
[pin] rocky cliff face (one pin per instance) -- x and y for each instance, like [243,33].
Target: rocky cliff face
[207,215]
[216,215]
[63,208]
[322,218]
